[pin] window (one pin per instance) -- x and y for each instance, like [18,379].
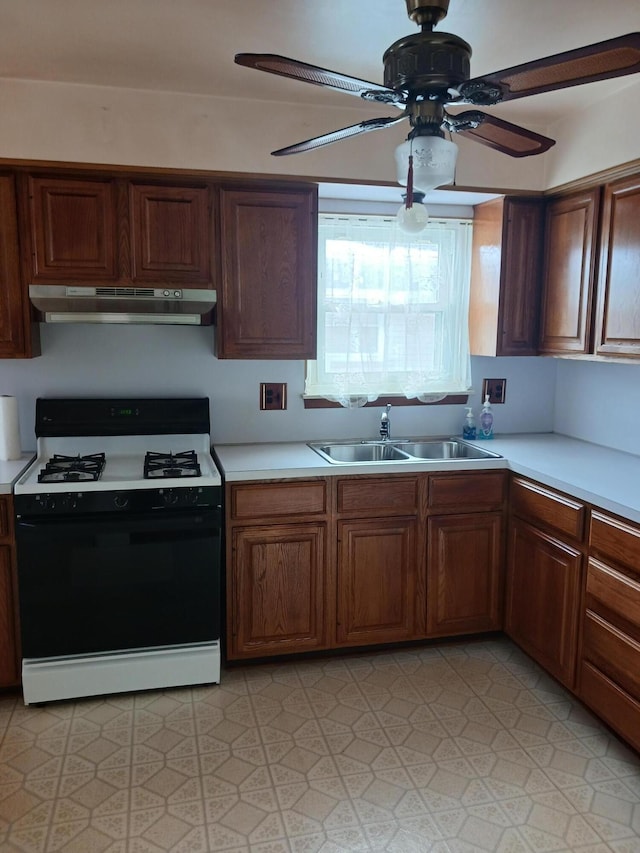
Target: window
[392,310]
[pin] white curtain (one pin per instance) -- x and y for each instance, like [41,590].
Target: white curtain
[392,310]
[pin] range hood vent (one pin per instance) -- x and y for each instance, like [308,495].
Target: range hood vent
[148,305]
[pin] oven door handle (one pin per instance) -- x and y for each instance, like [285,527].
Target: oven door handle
[209,519]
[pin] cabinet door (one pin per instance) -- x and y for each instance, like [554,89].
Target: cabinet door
[73,229]
[376,581]
[520,280]
[9,674]
[617,327]
[170,234]
[505,277]
[14,327]
[543,598]
[277,601]
[569,270]
[267,306]
[464,575]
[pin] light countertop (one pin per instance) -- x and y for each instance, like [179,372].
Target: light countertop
[607,478]
[11,469]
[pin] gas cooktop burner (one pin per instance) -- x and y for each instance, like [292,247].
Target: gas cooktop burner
[161,465]
[62,468]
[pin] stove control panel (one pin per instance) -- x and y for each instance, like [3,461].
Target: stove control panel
[133,500]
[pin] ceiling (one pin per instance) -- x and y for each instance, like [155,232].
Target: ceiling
[187,46]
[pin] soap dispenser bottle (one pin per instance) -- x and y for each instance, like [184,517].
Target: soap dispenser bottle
[469,426]
[486,420]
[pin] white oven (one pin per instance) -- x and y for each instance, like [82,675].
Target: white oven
[118,548]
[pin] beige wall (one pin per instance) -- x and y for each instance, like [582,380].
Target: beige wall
[53,121]
[605,135]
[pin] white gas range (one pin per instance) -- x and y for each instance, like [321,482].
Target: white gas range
[118,525]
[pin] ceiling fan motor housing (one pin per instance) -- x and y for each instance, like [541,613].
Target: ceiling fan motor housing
[427,12]
[427,64]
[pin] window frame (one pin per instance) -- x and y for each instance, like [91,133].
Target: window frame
[317,401]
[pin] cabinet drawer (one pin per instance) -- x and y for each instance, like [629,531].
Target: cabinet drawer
[612,652]
[608,700]
[483,490]
[378,495]
[269,500]
[614,591]
[548,507]
[615,539]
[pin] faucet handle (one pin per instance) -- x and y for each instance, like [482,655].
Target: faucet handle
[385,423]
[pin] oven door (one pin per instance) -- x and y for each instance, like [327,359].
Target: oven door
[110,581]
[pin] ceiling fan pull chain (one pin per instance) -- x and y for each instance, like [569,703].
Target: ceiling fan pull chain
[409,198]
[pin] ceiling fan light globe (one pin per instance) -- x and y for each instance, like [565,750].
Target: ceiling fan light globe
[434,162]
[414,219]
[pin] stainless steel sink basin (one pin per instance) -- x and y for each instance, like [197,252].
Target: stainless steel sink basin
[402,450]
[450,449]
[360,452]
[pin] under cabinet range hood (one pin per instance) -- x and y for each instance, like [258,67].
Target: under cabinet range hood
[148,305]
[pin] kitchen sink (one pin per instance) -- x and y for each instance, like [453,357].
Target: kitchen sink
[362,451]
[402,450]
[450,449]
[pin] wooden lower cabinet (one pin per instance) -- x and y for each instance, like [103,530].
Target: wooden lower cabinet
[610,651]
[464,573]
[279,588]
[376,581]
[355,560]
[542,606]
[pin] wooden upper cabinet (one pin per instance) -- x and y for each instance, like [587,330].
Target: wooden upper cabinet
[505,277]
[267,300]
[92,231]
[73,229]
[617,329]
[170,233]
[569,271]
[14,325]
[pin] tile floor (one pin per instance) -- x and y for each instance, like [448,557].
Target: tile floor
[455,747]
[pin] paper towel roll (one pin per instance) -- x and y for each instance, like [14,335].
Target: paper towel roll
[9,429]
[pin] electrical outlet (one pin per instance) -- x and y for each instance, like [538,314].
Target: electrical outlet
[273,395]
[495,388]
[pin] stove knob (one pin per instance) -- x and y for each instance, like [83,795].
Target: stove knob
[48,502]
[121,501]
[170,498]
[192,496]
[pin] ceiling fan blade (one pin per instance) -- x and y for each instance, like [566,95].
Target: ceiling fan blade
[615,57]
[285,67]
[337,135]
[499,134]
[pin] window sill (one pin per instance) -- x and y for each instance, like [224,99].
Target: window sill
[450,400]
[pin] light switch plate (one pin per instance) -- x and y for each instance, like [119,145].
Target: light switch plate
[495,388]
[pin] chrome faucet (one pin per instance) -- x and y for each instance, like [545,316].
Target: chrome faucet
[385,424]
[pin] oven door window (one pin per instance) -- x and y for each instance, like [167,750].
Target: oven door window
[109,583]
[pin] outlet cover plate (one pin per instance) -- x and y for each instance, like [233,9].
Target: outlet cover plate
[496,389]
[273,396]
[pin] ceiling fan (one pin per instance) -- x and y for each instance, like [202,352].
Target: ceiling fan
[428,71]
